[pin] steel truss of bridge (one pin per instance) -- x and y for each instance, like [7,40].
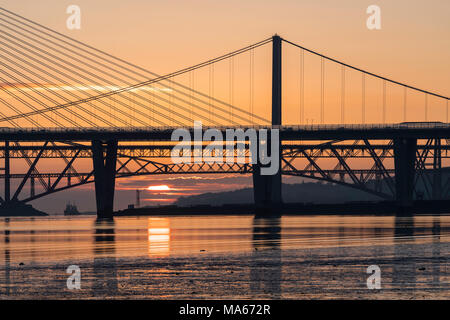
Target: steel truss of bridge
[370,161]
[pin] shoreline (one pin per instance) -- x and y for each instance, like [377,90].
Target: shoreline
[385,208]
[22,210]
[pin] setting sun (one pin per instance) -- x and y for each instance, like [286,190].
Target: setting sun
[159,188]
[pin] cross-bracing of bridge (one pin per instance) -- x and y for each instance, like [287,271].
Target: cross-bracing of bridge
[365,162]
[63,99]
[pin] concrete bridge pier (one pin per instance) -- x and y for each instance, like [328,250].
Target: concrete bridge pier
[267,188]
[105,176]
[404,162]
[266,192]
[437,171]
[7,169]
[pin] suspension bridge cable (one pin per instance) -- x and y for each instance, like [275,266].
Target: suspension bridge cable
[213,86]
[191,76]
[366,72]
[342,94]
[404,103]
[210,76]
[446,108]
[384,102]
[322,89]
[231,85]
[251,84]
[363,95]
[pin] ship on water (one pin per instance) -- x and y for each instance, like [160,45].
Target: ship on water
[71,210]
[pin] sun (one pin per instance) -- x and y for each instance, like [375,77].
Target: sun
[159,188]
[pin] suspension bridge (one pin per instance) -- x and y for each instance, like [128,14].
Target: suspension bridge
[72,114]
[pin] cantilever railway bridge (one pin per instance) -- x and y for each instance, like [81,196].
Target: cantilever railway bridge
[64,101]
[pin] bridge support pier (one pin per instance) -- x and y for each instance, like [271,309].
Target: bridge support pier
[404,162]
[105,176]
[437,171]
[266,192]
[7,174]
[267,188]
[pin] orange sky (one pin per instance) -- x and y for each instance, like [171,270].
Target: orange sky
[412,47]
[413,44]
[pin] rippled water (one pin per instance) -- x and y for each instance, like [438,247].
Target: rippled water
[225,256]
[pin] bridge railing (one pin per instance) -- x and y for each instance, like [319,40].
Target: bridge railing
[404,125]
[315,127]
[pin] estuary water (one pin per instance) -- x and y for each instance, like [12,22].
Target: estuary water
[225,257]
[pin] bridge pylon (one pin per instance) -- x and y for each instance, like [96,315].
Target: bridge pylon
[105,176]
[267,188]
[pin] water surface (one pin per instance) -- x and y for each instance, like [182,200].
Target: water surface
[225,257]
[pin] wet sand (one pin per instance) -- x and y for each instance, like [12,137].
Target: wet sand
[228,258]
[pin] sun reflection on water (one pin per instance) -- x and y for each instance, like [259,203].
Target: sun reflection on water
[158,236]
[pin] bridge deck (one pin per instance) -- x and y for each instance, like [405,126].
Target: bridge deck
[420,130]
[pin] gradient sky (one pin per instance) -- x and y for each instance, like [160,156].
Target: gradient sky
[413,45]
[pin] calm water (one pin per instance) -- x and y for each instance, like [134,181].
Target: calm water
[225,257]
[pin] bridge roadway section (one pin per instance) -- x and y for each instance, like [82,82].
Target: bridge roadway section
[422,130]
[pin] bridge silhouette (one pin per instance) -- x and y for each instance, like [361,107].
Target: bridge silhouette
[63,101]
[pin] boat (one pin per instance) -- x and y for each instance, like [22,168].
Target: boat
[71,210]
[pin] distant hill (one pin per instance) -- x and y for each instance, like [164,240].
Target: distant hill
[303,192]
[307,192]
